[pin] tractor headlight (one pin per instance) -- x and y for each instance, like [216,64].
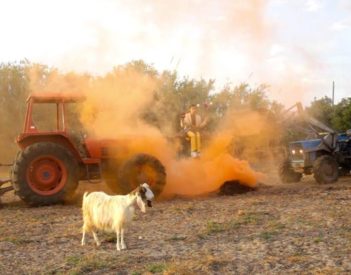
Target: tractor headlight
[293,152]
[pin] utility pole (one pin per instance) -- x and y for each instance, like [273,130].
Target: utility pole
[333,92]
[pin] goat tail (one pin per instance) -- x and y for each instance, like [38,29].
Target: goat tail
[84,198]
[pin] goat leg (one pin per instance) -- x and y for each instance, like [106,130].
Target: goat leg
[117,243]
[96,239]
[122,240]
[83,237]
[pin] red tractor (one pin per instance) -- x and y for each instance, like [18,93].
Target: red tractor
[53,158]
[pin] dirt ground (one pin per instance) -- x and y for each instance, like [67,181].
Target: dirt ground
[301,228]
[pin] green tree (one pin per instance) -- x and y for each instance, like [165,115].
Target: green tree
[244,97]
[322,109]
[173,97]
[341,119]
[14,89]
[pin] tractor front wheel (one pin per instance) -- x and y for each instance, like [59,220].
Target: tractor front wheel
[287,173]
[325,169]
[45,173]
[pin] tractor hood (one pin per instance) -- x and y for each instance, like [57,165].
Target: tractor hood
[343,137]
[306,144]
[310,144]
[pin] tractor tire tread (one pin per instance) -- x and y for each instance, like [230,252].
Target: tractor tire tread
[23,159]
[318,170]
[287,174]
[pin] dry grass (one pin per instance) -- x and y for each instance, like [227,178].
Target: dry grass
[303,228]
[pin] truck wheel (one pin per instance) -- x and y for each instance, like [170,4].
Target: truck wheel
[45,173]
[142,168]
[325,169]
[287,173]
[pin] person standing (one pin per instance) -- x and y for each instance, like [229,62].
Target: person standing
[192,124]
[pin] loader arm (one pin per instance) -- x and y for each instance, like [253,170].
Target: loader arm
[312,120]
[329,140]
[307,118]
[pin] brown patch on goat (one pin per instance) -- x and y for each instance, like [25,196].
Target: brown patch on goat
[142,192]
[139,190]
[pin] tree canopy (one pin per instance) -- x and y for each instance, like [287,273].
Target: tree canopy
[172,97]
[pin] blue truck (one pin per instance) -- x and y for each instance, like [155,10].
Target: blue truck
[326,157]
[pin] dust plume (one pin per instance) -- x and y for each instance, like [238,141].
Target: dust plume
[117,101]
[113,109]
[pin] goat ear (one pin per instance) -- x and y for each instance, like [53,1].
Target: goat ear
[141,204]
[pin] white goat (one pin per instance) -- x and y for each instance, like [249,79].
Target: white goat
[112,213]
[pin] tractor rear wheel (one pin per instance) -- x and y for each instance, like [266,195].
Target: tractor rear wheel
[325,169]
[142,168]
[45,173]
[287,173]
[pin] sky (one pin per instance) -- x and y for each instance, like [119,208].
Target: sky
[298,47]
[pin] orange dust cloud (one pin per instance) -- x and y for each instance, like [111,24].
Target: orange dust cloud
[113,109]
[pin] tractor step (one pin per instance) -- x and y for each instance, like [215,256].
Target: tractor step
[6,164]
[3,181]
[93,172]
[3,190]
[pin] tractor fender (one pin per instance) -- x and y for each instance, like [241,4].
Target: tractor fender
[322,152]
[24,141]
[312,154]
[317,152]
